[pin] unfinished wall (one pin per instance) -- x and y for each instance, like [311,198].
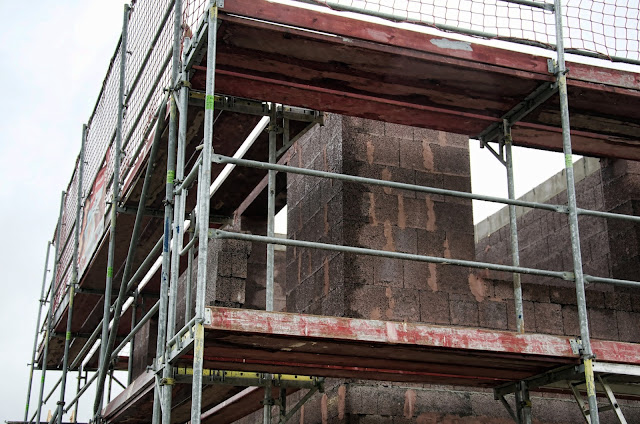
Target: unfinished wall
[609,249]
[227,271]
[328,283]
[355,286]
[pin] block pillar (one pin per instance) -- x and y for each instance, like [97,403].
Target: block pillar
[329,283]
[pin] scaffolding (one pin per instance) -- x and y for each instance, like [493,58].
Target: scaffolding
[126,129]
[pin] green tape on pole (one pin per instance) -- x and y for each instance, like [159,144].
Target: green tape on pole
[568,161]
[171,175]
[209,102]
[110,271]
[68,335]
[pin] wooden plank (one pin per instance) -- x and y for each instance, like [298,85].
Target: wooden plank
[299,328]
[402,76]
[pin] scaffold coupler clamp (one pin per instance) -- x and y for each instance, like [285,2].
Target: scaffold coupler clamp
[167,381]
[576,346]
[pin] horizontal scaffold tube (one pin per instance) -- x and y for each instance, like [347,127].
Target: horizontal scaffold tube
[220,234]
[418,188]
[383,183]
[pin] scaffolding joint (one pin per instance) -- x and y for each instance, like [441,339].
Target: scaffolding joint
[167,381]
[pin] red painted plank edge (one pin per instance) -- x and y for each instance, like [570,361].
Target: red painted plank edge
[417,334]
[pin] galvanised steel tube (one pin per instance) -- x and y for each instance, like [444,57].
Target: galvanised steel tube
[271,213]
[166,324]
[628,283]
[74,277]
[180,333]
[383,183]
[75,407]
[180,197]
[115,199]
[188,247]
[610,215]
[135,235]
[540,5]
[123,343]
[203,214]
[393,255]
[587,353]
[57,255]
[271,210]
[178,222]
[513,227]
[190,177]
[266,410]
[52,391]
[135,329]
[74,401]
[134,312]
[41,302]
[189,282]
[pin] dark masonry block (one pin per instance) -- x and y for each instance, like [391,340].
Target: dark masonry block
[493,315]
[548,318]
[603,324]
[398,131]
[464,313]
[628,326]
[451,160]
[434,307]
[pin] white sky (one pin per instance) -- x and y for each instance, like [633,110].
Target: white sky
[53,58]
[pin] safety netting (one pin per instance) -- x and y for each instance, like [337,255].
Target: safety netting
[609,29]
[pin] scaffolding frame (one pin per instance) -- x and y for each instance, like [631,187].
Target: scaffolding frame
[173,344]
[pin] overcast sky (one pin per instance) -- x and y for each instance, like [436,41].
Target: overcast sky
[54,56]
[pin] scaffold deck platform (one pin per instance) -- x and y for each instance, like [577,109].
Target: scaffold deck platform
[276,342]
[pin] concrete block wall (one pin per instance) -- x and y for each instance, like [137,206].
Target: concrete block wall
[356,286]
[328,283]
[609,249]
[256,263]
[227,272]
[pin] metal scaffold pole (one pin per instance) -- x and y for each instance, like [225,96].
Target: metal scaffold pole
[271,206]
[115,199]
[203,215]
[513,227]
[134,316]
[41,302]
[78,384]
[74,278]
[52,294]
[587,353]
[166,314]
